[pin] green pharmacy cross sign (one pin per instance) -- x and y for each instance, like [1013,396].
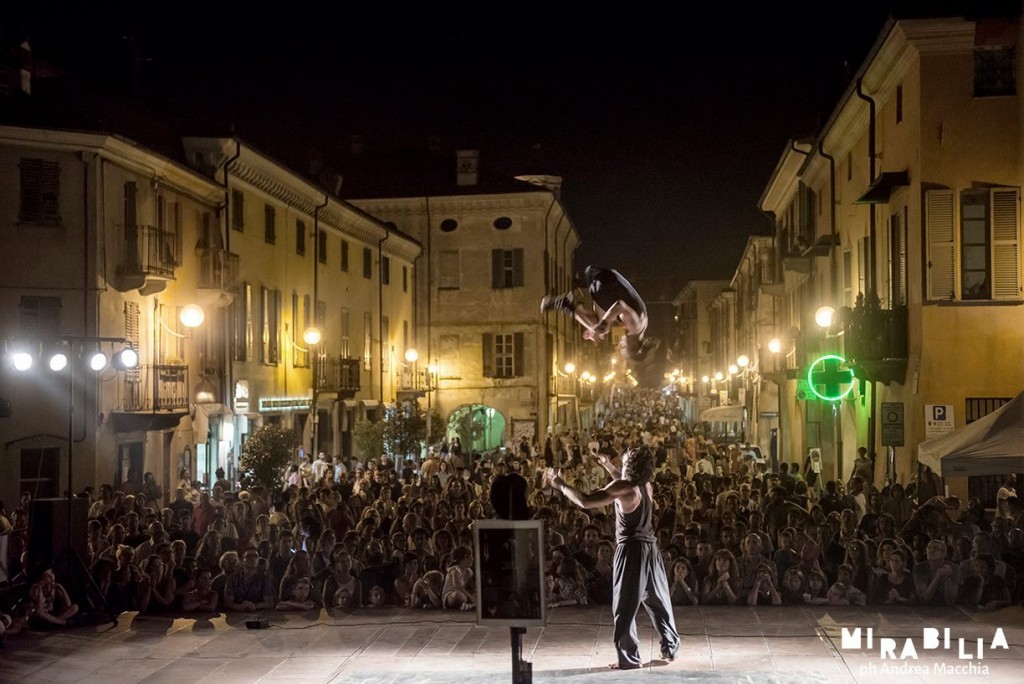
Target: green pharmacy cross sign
[829,379]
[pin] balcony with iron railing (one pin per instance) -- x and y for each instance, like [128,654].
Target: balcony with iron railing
[875,340]
[159,387]
[338,374]
[563,385]
[148,253]
[218,270]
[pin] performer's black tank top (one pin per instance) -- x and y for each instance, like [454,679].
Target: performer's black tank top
[637,525]
[608,286]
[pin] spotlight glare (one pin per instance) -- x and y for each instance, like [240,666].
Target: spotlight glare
[22,361]
[127,359]
[98,361]
[58,362]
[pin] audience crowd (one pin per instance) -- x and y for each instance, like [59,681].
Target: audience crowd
[343,534]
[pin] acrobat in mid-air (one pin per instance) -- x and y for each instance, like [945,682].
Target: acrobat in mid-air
[613,300]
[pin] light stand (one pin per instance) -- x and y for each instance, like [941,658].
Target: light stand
[69,559]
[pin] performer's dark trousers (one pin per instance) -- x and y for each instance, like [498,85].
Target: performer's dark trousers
[639,576]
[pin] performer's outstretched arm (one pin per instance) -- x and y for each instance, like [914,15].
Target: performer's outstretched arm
[596,499]
[607,464]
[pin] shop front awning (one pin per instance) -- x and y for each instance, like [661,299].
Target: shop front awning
[723,414]
[370,403]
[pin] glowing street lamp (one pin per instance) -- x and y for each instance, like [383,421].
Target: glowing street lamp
[192,316]
[775,345]
[824,315]
[311,335]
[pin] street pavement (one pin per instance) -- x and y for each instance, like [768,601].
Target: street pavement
[719,644]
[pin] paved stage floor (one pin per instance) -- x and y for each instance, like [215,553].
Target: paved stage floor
[719,644]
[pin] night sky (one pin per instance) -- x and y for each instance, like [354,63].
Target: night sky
[664,126]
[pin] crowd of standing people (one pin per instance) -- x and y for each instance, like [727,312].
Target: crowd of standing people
[346,534]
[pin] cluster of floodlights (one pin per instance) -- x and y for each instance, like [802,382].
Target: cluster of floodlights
[59,356]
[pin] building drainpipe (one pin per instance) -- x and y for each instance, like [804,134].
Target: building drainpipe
[380,308]
[228,390]
[837,417]
[315,349]
[872,238]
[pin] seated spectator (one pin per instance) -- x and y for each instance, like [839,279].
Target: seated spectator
[299,568]
[249,589]
[681,593]
[722,585]
[378,597]
[764,591]
[339,577]
[896,585]
[569,585]
[49,604]
[156,591]
[426,593]
[202,598]
[815,588]
[458,590]
[406,581]
[843,593]
[985,589]
[793,587]
[936,580]
[300,597]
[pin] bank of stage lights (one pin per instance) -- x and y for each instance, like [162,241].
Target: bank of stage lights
[95,358]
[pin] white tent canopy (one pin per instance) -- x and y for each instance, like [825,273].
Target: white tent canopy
[724,414]
[991,445]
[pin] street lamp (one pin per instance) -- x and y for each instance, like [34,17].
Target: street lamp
[775,345]
[823,316]
[192,316]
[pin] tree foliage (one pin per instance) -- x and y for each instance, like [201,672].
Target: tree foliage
[369,438]
[266,454]
[405,426]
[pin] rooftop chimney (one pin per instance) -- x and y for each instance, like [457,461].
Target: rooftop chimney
[467,167]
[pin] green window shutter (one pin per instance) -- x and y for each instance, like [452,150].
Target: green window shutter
[939,225]
[517,267]
[1005,243]
[517,348]
[497,268]
[488,342]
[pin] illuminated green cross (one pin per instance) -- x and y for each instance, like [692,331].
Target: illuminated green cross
[831,377]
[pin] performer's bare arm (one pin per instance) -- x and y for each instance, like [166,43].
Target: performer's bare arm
[607,464]
[617,489]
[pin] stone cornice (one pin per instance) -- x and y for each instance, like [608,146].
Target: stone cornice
[121,151]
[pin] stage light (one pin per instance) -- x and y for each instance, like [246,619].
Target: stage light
[22,361]
[311,335]
[97,360]
[192,316]
[58,361]
[126,359]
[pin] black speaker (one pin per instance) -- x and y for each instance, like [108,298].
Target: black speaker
[48,529]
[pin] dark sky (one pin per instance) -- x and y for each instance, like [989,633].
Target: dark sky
[665,126]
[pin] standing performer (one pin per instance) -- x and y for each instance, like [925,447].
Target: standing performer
[614,300]
[638,573]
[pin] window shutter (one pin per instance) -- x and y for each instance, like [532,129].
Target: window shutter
[488,341]
[497,268]
[940,236]
[517,349]
[1005,241]
[517,267]
[897,285]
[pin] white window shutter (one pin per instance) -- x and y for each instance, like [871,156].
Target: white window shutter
[939,225]
[1005,243]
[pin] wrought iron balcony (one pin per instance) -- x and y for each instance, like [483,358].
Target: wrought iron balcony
[161,387]
[564,385]
[218,270]
[338,374]
[875,341]
[147,252]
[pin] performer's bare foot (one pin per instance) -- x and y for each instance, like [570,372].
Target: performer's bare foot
[617,666]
